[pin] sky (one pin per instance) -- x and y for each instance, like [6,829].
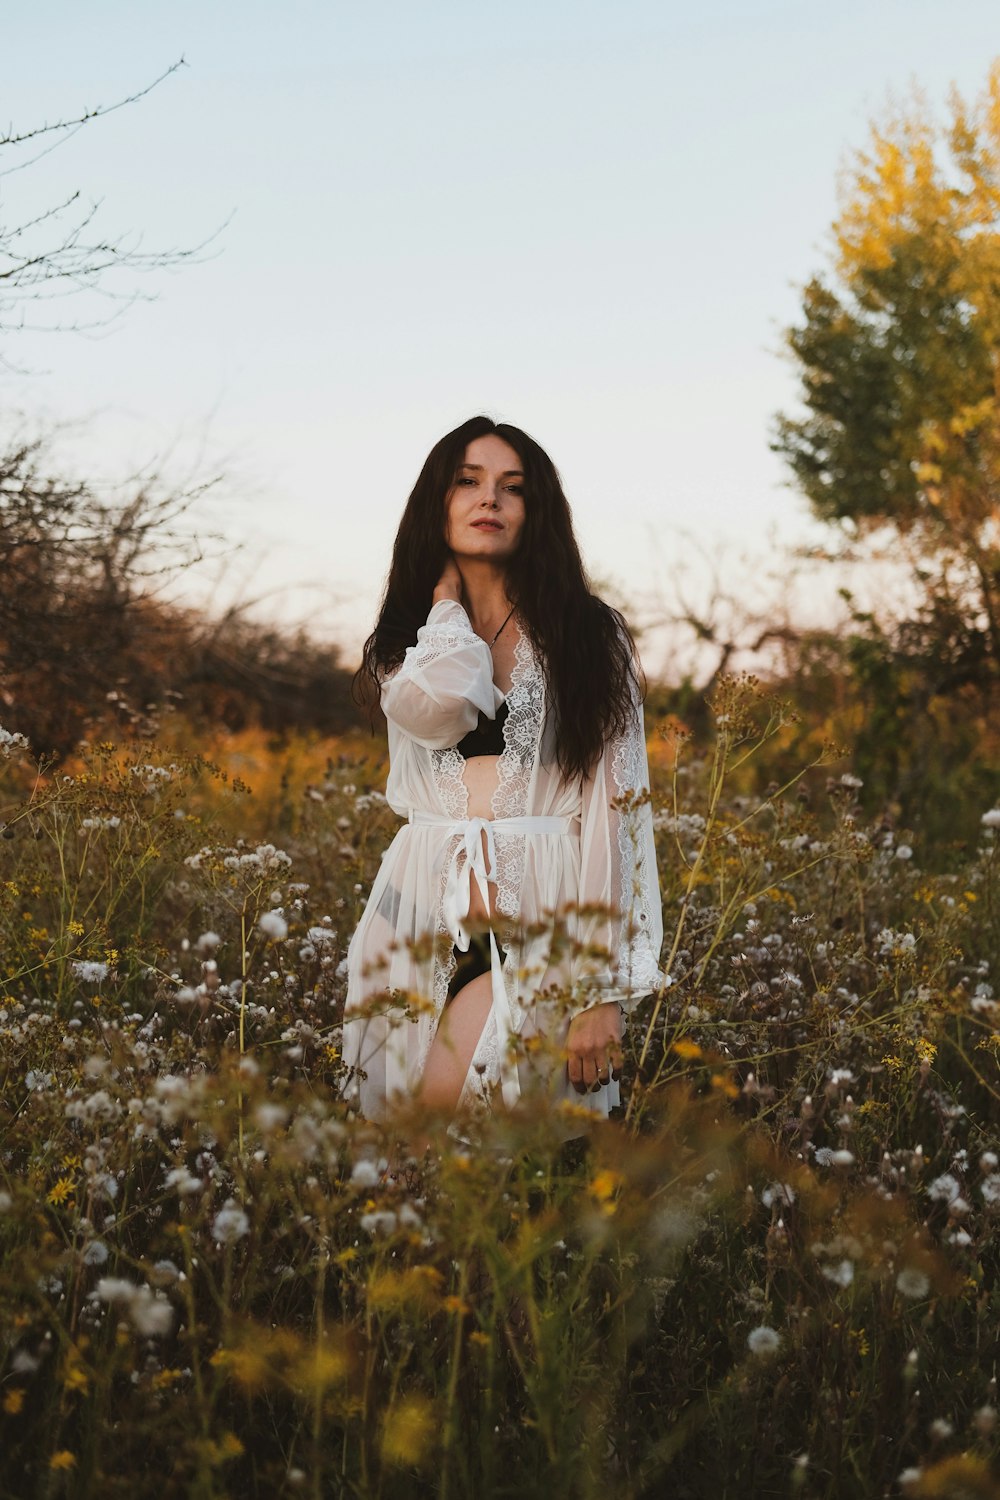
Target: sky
[591,218]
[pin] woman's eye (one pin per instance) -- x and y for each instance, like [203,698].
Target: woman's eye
[516,489]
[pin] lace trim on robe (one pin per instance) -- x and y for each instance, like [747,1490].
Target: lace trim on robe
[521,734]
[443,636]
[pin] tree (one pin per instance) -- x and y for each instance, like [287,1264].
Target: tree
[59,252]
[899,357]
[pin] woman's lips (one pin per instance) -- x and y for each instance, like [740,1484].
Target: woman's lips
[487,525]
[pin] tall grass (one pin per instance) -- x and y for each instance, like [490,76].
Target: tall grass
[773,1273]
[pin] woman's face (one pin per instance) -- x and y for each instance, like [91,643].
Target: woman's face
[484,509]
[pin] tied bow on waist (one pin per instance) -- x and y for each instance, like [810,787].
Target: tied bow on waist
[471,859]
[458,888]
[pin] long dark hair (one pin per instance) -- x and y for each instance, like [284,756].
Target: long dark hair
[586,649]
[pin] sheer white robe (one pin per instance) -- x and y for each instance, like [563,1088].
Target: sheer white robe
[593,881]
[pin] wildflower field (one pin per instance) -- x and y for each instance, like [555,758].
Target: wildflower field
[773,1273]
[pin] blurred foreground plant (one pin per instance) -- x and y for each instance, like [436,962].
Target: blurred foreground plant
[767,1273]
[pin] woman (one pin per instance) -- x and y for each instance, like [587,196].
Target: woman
[517,910]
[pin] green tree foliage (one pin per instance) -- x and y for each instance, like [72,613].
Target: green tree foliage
[898,446]
[898,353]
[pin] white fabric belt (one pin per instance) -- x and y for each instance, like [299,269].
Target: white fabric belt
[468,860]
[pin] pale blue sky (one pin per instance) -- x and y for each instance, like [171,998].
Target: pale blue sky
[586,218]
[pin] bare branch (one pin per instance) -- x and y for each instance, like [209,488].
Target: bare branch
[13,138]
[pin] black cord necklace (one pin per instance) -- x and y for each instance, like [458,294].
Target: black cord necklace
[502,628]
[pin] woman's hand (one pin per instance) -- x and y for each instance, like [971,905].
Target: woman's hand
[449,585]
[594,1044]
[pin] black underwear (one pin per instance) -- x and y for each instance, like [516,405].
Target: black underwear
[470,965]
[486,738]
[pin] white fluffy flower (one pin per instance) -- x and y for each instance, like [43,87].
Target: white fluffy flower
[115,1289]
[89,970]
[182,1181]
[945,1188]
[10,742]
[270,1116]
[379,1221]
[365,1174]
[273,925]
[912,1282]
[991,819]
[842,1274]
[230,1224]
[151,1313]
[842,1158]
[763,1340]
[990,1189]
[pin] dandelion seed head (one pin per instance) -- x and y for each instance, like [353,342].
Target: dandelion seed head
[230,1224]
[91,971]
[151,1313]
[364,1174]
[273,925]
[842,1274]
[913,1283]
[990,1189]
[763,1340]
[944,1189]
[115,1289]
[778,1192]
[182,1181]
[378,1221]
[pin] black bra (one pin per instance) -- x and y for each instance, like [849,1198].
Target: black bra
[486,738]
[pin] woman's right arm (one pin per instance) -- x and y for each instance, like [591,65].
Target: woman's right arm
[445,680]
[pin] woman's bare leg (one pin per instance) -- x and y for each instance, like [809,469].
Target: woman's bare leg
[455,1041]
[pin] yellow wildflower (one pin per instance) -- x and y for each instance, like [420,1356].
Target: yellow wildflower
[725,1085]
[13,1401]
[685,1048]
[603,1187]
[64,1459]
[62,1190]
[408,1431]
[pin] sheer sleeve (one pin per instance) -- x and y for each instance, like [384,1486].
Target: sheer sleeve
[618,871]
[445,681]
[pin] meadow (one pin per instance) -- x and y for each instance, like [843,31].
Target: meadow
[773,1273]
